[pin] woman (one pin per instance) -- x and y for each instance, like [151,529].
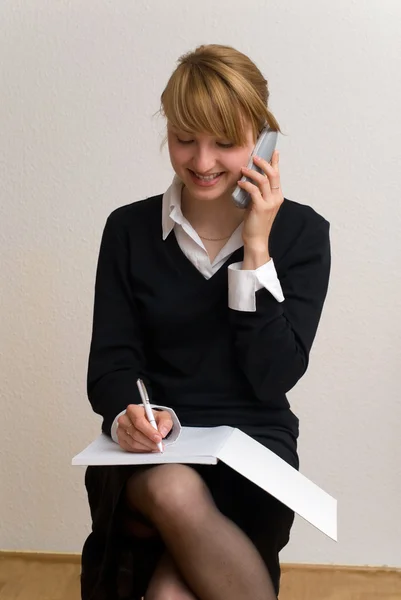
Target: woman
[216,309]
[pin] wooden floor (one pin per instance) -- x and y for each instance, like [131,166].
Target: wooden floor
[33,577]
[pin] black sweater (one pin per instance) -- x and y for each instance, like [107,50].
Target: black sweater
[157,317]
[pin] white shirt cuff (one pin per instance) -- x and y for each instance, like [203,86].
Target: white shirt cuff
[243,285]
[172,436]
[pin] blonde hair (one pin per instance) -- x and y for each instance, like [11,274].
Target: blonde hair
[216,89]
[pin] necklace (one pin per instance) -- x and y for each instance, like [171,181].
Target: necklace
[216,239]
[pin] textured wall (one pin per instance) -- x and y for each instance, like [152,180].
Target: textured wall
[79,84]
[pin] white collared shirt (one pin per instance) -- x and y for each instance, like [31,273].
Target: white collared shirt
[242,285]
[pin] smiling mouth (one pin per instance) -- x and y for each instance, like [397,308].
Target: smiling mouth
[207,177]
[205,182]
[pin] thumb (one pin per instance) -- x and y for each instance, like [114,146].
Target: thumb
[164,423]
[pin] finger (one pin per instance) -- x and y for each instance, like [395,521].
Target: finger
[164,422]
[255,193]
[264,165]
[132,411]
[142,424]
[275,159]
[128,443]
[124,421]
[136,415]
[260,178]
[125,425]
[272,172]
[141,439]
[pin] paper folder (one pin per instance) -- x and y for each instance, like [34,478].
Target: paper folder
[207,445]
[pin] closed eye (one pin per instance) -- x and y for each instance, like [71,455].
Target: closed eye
[218,143]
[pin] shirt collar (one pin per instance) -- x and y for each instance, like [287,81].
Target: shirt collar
[171,207]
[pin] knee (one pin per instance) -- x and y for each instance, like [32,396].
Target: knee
[169,592]
[175,490]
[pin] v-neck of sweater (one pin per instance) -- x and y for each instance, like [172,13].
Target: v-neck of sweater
[182,261]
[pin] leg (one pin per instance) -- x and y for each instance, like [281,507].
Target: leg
[167,583]
[216,559]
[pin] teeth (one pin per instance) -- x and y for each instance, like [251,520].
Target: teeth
[208,178]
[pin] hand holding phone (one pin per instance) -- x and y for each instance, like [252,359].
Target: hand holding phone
[264,147]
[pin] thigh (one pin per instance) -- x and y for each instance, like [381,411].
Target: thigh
[167,490]
[167,583]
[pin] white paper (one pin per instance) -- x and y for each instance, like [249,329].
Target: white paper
[195,445]
[274,475]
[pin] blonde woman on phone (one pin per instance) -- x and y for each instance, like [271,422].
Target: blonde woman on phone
[215,308]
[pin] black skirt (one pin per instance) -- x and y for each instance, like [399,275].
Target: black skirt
[118,566]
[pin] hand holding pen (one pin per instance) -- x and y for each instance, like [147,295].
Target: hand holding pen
[149,413]
[136,433]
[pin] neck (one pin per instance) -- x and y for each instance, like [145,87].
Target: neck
[215,219]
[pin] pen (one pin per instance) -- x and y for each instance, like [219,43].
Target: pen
[148,410]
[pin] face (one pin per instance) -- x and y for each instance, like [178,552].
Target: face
[203,154]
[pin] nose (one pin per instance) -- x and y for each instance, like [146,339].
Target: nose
[204,160]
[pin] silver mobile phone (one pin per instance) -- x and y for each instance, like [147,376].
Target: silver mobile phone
[264,147]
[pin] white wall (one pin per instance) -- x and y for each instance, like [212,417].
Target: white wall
[79,83]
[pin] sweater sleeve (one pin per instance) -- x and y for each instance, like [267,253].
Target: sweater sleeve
[273,343]
[116,353]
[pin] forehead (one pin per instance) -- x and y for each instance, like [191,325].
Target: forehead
[177,129]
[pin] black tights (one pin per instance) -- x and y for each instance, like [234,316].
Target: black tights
[208,557]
